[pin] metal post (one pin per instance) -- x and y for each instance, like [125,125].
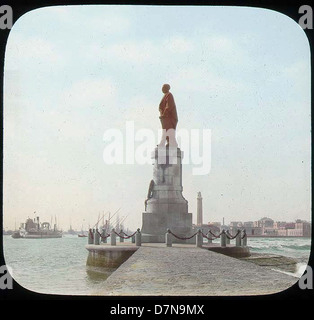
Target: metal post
[209,238]
[238,239]
[168,238]
[227,239]
[133,239]
[199,238]
[93,236]
[90,236]
[113,237]
[244,239]
[103,236]
[96,237]
[121,234]
[223,238]
[138,238]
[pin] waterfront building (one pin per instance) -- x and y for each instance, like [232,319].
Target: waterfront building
[280,224]
[255,231]
[282,232]
[266,223]
[304,226]
[290,225]
[235,225]
[294,232]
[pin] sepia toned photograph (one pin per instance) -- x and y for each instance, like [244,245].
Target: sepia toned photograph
[157,150]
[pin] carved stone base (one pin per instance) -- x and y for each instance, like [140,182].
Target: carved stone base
[166,207]
[155,226]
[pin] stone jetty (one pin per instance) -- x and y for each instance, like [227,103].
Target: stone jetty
[186,270]
[169,256]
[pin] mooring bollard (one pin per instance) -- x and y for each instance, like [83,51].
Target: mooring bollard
[113,241]
[121,234]
[244,239]
[90,236]
[199,238]
[227,239]
[96,237]
[209,238]
[238,239]
[138,238]
[103,236]
[168,238]
[93,236]
[223,237]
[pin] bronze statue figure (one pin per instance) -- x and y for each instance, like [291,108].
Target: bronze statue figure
[168,117]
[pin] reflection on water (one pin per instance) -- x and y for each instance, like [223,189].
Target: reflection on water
[95,275]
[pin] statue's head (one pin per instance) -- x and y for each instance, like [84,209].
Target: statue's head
[165,88]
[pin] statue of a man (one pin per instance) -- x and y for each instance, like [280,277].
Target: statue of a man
[168,117]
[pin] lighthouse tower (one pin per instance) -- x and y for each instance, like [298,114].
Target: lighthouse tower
[199,216]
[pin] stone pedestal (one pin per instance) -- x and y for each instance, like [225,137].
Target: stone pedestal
[165,206]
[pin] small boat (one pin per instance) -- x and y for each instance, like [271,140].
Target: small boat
[81,235]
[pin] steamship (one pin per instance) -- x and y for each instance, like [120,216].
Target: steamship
[33,229]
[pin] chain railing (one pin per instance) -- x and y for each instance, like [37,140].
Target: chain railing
[225,237]
[125,235]
[216,236]
[95,237]
[182,238]
[230,237]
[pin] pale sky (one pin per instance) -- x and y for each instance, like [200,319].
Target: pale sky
[73,72]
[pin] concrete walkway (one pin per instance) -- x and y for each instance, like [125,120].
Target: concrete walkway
[184,270]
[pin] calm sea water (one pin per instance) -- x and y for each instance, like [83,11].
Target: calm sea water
[58,266]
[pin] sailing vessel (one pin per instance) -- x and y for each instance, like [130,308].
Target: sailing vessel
[82,234]
[33,229]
